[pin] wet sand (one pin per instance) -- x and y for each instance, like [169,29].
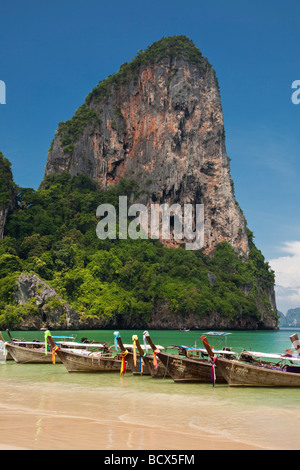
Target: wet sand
[45,408]
[83,434]
[54,423]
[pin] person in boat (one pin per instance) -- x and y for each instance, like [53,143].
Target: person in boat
[84,340]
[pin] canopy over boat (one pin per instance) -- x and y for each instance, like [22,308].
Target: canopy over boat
[64,337]
[287,357]
[147,347]
[63,340]
[217,333]
[85,345]
[28,343]
[203,350]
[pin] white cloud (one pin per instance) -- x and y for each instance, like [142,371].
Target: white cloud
[287,271]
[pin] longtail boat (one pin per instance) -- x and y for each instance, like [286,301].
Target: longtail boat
[134,355]
[38,352]
[8,355]
[184,367]
[30,352]
[100,360]
[153,362]
[258,369]
[139,362]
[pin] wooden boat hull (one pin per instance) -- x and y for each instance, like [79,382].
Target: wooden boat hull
[160,372]
[25,355]
[242,374]
[75,362]
[184,369]
[136,369]
[149,369]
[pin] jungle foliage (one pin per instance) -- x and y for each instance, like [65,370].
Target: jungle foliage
[52,233]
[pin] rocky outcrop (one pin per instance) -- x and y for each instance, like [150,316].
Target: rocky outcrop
[52,311]
[159,122]
[3,215]
[210,321]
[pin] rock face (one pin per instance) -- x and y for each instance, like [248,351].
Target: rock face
[159,122]
[210,321]
[53,312]
[3,215]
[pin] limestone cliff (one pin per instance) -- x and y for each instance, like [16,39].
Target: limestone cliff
[51,311]
[158,121]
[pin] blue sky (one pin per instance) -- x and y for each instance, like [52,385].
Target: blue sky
[53,53]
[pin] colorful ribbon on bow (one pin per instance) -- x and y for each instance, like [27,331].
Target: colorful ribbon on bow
[213,370]
[142,363]
[155,358]
[116,336]
[123,363]
[144,338]
[47,333]
[134,339]
[56,348]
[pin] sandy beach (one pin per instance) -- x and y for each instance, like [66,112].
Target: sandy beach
[63,427]
[62,411]
[68,433]
[43,407]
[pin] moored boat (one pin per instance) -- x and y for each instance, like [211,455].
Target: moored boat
[28,352]
[187,365]
[153,362]
[258,369]
[100,360]
[32,352]
[134,354]
[37,352]
[139,362]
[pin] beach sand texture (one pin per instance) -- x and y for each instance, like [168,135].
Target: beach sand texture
[46,408]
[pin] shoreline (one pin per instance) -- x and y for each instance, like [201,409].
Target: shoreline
[43,407]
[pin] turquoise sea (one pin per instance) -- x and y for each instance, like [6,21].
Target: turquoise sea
[45,407]
[265,341]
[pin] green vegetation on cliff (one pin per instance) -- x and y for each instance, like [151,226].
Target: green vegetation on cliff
[180,47]
[6,181]
[53,234]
